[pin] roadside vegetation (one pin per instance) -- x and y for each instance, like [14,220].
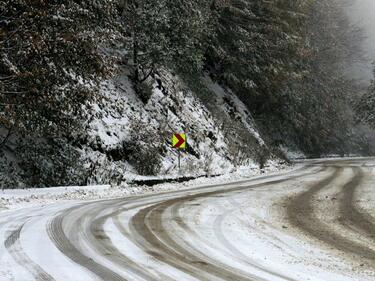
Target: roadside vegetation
[285,60]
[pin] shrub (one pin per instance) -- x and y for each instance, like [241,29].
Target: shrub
[143,149]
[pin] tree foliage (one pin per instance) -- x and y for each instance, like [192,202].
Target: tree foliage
[365,106]
[319,107]
[50,64]
[286,60]
[169,33]
[49,57]
[255,48]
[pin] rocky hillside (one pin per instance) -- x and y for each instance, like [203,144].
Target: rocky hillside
[92,91]
[124,137]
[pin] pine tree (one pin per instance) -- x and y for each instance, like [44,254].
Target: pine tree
[255,49]
[146,22]
[165,33]
[190,28]
[365,106]
[49,62]
[50,67]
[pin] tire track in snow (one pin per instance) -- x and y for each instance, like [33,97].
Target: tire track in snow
[94,214]
[352,216]
[13,246]
[218,225]
[62,242]
[218,231]
[80,232]
[148,223]
[105,246]
[301,215]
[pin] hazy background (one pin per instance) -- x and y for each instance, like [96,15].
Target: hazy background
[362,13]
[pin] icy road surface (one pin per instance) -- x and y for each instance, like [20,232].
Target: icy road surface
[314,223]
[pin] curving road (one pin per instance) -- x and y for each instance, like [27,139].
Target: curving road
[315,223]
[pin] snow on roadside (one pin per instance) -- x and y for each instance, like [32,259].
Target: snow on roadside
[242,113]
[292,154]
[171,108]
[21,198]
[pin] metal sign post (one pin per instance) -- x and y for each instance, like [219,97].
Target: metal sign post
[179,162]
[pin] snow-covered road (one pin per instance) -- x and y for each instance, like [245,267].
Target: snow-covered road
[314,223]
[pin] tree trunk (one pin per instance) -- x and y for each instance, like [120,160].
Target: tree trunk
[135,59]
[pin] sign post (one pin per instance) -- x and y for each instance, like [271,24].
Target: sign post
[179,142]
[179,161]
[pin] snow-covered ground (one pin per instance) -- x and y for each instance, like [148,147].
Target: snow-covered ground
[20,198]
[121,128]
[120,118]
[310,222]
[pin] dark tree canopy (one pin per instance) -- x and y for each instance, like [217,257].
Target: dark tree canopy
[49,61]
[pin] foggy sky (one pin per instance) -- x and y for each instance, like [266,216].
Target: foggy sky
[362,13]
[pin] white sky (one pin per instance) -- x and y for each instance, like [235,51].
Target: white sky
[362,13]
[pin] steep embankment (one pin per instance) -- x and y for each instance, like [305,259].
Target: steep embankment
[126,136]
[88,94]
[92,92]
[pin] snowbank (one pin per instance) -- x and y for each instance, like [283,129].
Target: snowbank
[20,198]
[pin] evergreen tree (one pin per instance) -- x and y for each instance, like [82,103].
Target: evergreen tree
[50,65]
[255,49]
[365,106]
[190,28]
[286,61]
[165,33]
[321,101]
[146,22]
[49,62]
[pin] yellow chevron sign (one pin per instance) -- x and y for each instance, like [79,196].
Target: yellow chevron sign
[179,141]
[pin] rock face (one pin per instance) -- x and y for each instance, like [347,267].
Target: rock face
[91,92]
[124,137]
